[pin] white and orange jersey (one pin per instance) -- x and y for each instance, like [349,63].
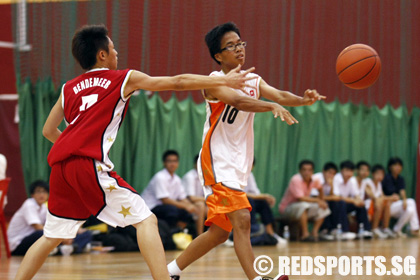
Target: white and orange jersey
[227,151]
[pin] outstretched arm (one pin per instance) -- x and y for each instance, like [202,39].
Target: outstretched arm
[248,104]
[286,98]
[234,79]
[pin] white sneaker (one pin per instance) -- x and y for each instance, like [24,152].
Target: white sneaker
[367,234]
[379,234]
[280,240]
[400,234]
[389,233]
[348,236]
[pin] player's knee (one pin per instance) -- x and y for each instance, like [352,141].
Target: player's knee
[149,221]
[243,222]
[220,238]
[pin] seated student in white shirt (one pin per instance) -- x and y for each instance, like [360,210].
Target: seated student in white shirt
[166,197]
[337,206]
[27,224]
[195,194]
[378,204]
[345,186]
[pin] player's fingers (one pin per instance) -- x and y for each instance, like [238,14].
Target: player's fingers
[249,70]
[238,68]
[321,97]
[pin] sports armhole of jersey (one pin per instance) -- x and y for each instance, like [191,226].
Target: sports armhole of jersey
[127,77]
[258,87]
[203,92]
[62,96]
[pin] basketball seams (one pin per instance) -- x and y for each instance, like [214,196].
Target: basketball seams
[338,74]
[373,67]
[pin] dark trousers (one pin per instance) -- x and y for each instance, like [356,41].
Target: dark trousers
[27,243]
[171,214]
[261,207]
[361,215]
[338,216]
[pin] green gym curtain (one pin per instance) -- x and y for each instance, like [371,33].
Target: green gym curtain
[326,132]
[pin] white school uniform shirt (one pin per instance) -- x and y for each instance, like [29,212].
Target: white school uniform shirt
[377,190]
[30,213]
[192,184]
[227,149]
[325,186]
[348,189]
[252,187]
[163,185]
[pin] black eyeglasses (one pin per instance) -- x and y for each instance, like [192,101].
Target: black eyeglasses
[230,48]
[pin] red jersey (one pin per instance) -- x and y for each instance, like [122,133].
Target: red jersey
[94,108]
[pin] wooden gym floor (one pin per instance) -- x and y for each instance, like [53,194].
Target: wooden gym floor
[221,263]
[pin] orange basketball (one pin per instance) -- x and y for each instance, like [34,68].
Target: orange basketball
[358,66]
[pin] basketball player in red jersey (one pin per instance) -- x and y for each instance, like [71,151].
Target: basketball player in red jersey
[82,181]
[228,151]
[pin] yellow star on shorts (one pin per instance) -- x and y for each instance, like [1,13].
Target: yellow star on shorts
[224,201]
[110,139]
[99,168]
[111,188]
[125,211]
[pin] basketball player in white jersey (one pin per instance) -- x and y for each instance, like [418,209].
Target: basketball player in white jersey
[228,150]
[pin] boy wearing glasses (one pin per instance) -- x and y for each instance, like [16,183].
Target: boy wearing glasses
[227,152]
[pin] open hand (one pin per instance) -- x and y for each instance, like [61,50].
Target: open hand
[236,79]
[284,115]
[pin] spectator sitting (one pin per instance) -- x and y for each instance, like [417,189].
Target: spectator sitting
[27,224]
[336,205]
[367,195]
[378,202]
[345,185]
[195,194]
[402,208]
[261,203]
[166,197]
[297,204]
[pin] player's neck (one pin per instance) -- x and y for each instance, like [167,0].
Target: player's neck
[226,69]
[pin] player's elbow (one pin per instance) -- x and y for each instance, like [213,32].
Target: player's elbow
[239,102]
[47,132]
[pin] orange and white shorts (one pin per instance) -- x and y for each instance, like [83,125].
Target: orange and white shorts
[221,201]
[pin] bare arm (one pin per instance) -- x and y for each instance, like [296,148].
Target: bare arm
[56,116]
[234,79]
[287,98]
[244,103]
[37,226]
[182,204]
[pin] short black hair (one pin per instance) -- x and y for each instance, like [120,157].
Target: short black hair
[214,37]
[38,184]
[305,162]
[361,163]
[377,167]
[330,165]
[168,153]
[87,41]
[347,164]
[394,160]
